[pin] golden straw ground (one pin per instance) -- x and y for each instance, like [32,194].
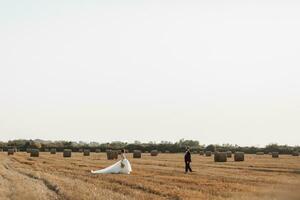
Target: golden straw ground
[51,176]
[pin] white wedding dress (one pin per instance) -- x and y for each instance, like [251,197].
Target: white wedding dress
[117,168]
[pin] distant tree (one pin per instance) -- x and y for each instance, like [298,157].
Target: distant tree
[137,142]
[210,147]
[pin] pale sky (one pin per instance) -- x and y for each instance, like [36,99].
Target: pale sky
[213,71]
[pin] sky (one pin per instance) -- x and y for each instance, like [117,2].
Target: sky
[157,70]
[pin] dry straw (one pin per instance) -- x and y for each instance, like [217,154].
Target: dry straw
[137,154]
[34,153]
[67,153]
[98,150]
[220,157]
[229,154]
[154,153]
[10,151]
[112,154]
[53,151]
[275,155]
[239,156]
[86,152]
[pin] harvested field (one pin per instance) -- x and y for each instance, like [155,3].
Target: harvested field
[50,176]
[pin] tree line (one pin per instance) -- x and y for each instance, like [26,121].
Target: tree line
[163,146]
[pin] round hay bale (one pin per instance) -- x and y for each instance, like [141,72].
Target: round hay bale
[86,152]
[201,153]
[53,151]
[229,154]
[154,153]
[239,156]
[208,153]
[260,153]
[137,154]
[10,151]
[275,155]
[220,157]
[98,151]
[34,153]
[112,154]
[295,153]
[67,153]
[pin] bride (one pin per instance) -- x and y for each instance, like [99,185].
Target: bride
[121,167]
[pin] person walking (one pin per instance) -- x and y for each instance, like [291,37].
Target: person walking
[187,160]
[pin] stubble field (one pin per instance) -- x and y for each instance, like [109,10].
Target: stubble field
[161,177]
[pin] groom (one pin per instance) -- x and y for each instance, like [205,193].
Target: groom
[187,160]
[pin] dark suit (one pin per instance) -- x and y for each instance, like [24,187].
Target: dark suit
[187,160]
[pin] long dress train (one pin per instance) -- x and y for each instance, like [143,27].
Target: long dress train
[117,168]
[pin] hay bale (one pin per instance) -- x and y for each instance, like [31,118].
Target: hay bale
[154,153]
[112,154]
[98,151]
[270,153]
[34,153]
[67,153]
[53,151]
[275,155]
[146,151]
[295,153]
[260,153]
[201,153]
[167,151]
[208,153]
[239,156]
[229,154]
[137,154]
[28,150]
[86,152]
[220,157]
[10,151]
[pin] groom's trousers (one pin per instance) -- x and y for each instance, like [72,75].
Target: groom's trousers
[187,167]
